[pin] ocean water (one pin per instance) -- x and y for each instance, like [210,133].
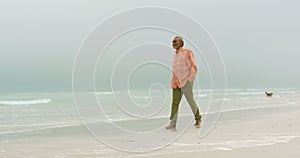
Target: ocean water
[27,117]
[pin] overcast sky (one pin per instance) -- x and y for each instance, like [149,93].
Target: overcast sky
[258,39]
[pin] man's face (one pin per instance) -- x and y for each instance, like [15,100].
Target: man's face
[176,43]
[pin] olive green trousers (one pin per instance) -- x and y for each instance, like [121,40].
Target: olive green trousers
[187,91]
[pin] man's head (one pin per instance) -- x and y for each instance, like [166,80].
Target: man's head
[177,42]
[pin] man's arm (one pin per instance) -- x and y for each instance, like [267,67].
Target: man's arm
[192,66]
[173,82]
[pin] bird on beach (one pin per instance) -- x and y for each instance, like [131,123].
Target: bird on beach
[269,94]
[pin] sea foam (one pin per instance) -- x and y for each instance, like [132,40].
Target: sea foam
[25,102]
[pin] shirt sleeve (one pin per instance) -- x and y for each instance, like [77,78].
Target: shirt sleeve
[173,82]
[192,66]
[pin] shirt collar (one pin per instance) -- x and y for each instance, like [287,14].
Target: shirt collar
[180,50]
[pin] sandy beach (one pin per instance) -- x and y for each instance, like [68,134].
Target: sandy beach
[270,128]
[273,136]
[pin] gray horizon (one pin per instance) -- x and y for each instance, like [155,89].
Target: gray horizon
[257,41]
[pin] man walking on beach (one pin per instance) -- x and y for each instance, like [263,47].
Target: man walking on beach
[184,74]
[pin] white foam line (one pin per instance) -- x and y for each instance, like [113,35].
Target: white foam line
[31,130]
[242,109]
[34,125]
[25,102]
[223,149]
[205,113]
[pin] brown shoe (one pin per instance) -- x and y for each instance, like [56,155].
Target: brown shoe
[171,127]
[198,124]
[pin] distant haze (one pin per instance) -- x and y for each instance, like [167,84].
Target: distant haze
[258,40]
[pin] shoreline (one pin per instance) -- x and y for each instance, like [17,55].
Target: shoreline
[255,130]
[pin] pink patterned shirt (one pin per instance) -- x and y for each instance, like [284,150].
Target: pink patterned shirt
[184,68]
